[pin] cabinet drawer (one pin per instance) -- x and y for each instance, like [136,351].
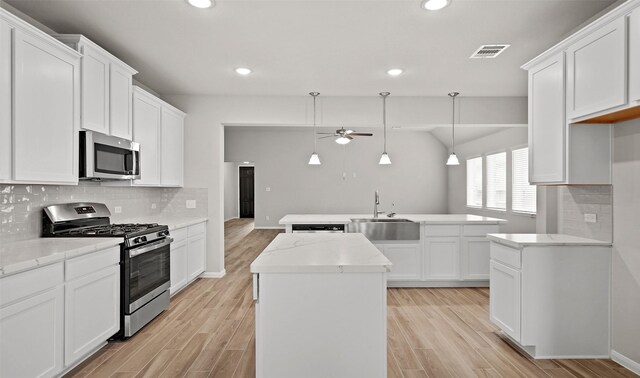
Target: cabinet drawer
[480,230]
[442,230]
[24,284]
[506,255]
[179,235]
[80,266]
[197,229]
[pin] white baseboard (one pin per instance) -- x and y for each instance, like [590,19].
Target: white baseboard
[214,274]
[228,219]
[443,283]
[268,228]
[625,361]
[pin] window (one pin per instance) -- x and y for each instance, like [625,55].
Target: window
[523,195]
[474,182]
[497,181]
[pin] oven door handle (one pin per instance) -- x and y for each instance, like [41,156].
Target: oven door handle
[150,247]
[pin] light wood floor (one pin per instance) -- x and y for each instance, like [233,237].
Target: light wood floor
[208,331]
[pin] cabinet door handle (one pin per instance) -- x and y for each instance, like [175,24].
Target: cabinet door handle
[255,287]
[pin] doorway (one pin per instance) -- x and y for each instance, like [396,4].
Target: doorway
[246,190]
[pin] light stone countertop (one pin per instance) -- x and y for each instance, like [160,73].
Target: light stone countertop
[174,223]
[421,218]
[320,253]
[28,254]
[540,240]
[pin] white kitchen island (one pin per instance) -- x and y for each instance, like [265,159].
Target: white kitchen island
[321,307]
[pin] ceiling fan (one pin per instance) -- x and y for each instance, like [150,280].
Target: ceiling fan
[344,136]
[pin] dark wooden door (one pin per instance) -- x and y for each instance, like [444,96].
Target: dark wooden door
[246,192]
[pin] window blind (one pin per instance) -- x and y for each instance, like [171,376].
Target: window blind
[523,195]
[474,182]
[497,181]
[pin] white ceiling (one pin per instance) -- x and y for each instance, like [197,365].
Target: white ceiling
[336,47]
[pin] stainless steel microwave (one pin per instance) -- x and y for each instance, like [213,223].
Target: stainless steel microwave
[108,157]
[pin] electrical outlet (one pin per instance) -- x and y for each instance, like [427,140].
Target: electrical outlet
[268,189]
[590,218]
[117,209]
[266,217]
[191,204]
[153,206]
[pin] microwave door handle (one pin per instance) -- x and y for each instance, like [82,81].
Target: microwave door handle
[134,169]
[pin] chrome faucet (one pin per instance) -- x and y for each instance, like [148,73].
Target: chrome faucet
[376,202]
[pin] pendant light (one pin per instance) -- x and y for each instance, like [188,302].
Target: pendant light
[453,159]
[314,159]
[384,158]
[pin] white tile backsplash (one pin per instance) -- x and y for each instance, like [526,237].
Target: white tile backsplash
[576,201]
[21,205]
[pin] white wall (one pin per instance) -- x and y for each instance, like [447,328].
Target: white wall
[512,137]
[416,181]
[230,190]
[626,241]
[204,134]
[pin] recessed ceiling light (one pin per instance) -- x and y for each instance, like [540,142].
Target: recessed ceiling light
[243,71]
[435,4]
[394,71]
[201,3]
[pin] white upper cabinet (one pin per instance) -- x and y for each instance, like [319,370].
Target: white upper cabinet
[46,110]
[120,95]
[39,106]
[106,88]
[634,56]
[597,71]
[547,121]
[159,128]
[172,147]
[95,89]
[147,113]
[5,100]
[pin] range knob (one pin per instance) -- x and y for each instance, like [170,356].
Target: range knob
[163,233]
[140,239]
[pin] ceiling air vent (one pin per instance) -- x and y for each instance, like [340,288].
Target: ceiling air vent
[489,51]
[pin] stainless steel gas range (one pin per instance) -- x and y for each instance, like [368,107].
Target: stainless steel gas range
[144,258]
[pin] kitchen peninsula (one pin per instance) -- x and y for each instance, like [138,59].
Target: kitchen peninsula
[321,307]
[446,250]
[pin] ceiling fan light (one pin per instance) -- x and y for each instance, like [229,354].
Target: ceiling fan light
[384,159]
[453,159]
[202,4]
[314,159]
[343,140]
[435,4]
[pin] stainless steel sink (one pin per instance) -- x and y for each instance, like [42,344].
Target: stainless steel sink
[379,229]
[381,220]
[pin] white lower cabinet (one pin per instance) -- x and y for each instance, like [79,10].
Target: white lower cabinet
[442,258]
[53,317]
[504,299]
[32,323]
[92,312]
[406,260]
[196,255]
[179,270]
[446,255]
[475,258]
[188,255]
[552,300]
